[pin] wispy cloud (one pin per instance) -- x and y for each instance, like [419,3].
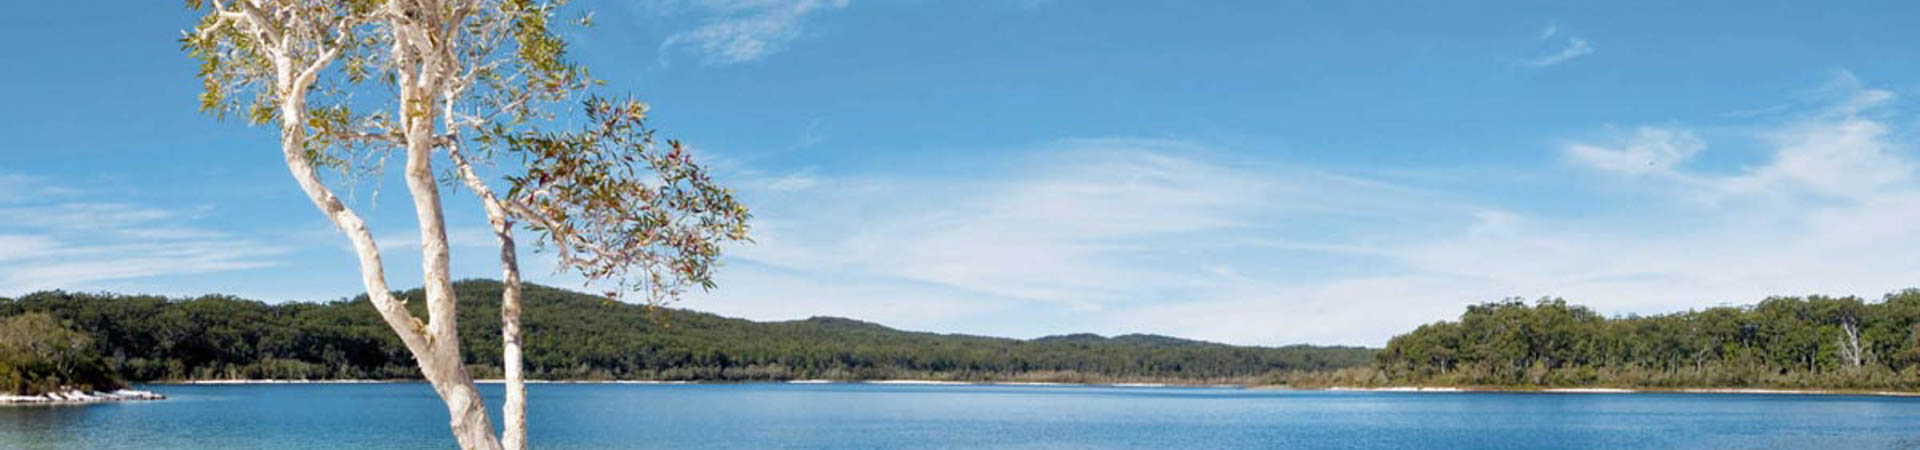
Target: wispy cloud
[1647,150]
[738,31]
[797,181]
[814,134]
[1831,210]
[16,188]
[1088,226]
[405,244]
[1176,237]
[1575,48]
[66,241]
[1841,149]
[1827,210]
[1083,229]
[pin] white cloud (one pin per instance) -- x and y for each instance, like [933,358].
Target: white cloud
[1647,150]
[17,247]
[814,134]
[776,294]
[1831,210]
[1076,238]
[75,266]
[1357,311]
[58,242]
[1576,47]
[1091,222]
[738,31]
[798,181]
[1838,150]
[1121,236]
[19,188]
[84,215]
[473,237]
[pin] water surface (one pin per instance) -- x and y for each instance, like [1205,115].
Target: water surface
[407,415]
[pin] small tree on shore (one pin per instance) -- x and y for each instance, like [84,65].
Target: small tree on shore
[349,82]
[40,354]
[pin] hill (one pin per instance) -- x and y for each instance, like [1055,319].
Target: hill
[572,335]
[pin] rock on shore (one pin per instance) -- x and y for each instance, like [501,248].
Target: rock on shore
[77,397]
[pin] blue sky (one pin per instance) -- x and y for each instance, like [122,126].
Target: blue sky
[1247,172]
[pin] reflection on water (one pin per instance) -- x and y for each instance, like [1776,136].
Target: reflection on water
[29,425]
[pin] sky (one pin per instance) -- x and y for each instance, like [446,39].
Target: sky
[1261,173]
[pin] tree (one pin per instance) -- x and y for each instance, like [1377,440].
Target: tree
[350,81]
[1844,314]
[39,354]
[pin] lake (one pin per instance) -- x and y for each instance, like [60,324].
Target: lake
[407,415]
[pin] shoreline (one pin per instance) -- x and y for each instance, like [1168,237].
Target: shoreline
[914,382]
[77,397]
[1598,390]
[900,382]
[399,381]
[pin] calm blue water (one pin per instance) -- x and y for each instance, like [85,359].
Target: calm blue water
[895,416]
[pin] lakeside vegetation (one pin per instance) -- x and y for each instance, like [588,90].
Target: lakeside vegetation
[40,354]
[1814,342]
[577,336]
[52,339]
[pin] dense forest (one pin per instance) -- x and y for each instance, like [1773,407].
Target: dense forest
[579,336]
[1782,342]
[54,338]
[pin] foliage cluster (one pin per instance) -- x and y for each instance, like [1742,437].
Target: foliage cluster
[40,354]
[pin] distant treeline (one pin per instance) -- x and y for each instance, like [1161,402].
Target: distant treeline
[56,338]
[1786,342]
[577,336]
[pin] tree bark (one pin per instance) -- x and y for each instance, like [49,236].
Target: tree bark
[514,409]
[443,366]
[514,437]
[1851,345]
[436,345]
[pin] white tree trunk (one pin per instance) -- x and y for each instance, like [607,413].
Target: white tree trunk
[514,436]
[1850,345]
[436,345]
[443,366]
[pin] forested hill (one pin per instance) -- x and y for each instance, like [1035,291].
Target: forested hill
[571,335]
[1781,342]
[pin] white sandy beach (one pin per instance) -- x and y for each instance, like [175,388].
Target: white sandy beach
[78,397]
